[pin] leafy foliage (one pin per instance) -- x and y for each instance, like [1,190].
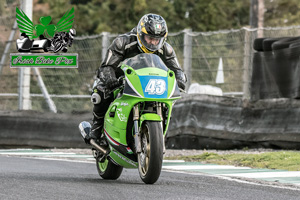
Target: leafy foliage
[117,16]
[282,13]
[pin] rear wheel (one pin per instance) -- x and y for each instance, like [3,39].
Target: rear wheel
[151,157]
[108,170]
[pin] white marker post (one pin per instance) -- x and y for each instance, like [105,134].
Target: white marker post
[220,73]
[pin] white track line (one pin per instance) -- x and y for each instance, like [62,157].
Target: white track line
[195,167]
[266,174]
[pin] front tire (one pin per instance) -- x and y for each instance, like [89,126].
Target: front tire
[108,170]
[151,157]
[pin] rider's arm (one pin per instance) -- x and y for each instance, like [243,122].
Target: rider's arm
[114,55]
[170,59]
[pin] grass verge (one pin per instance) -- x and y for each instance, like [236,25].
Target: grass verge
[285,160]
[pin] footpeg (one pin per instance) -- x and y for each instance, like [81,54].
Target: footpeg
[99,156]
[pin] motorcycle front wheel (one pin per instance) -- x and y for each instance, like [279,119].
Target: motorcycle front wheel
[151,157]
[108,170]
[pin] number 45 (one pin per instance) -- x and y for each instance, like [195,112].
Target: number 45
[156,86]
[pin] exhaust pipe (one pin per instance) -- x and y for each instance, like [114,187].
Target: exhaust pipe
[94,144]
[85,129]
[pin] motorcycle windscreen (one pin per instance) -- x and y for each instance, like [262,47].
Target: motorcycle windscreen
[154,86]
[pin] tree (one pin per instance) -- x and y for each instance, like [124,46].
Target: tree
[282,13]
[117,16]
[210,15]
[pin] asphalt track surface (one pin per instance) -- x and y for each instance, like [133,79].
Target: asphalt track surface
[31,178]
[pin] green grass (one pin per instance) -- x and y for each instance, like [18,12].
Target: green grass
[285,160]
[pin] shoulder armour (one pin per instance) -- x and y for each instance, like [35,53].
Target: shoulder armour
[120,43]
[168,49]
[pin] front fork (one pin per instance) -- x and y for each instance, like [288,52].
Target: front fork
[137,138]
[159,112]
[136,117]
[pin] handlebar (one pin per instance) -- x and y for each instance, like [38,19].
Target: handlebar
[121,80]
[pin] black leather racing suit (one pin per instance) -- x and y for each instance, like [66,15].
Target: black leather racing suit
[123,47]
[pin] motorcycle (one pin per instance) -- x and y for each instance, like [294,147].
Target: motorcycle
[62,40]
[137,121]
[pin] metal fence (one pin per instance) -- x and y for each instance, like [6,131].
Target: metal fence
[204,56]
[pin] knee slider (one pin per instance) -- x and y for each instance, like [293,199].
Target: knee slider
[95,98]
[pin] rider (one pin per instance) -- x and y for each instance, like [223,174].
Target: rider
[63,38]
[148,37]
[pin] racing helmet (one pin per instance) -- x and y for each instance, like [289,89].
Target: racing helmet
[72,33]
[152,32]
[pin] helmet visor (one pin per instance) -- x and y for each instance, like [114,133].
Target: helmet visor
[152,43]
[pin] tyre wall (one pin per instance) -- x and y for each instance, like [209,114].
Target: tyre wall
[198,122]
[34,129]
[208,122]
[276,68]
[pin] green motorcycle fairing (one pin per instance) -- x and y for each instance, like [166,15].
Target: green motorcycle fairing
[147,79]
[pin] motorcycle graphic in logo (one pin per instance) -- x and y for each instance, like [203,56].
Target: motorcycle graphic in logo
[51,37]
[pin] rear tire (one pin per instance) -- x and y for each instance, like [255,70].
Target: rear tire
[151,157]
[108,170]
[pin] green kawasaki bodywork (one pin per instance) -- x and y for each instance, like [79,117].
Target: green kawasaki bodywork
[118,113]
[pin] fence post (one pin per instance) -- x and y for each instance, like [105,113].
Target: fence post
[247,63]
[24,73]
[105,43]
[45,91]
[187,56]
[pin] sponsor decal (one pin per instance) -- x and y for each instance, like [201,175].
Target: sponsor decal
[121,116]
[124,104]
[124,158]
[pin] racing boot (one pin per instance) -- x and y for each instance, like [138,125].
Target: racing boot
[96,134]
[96,130]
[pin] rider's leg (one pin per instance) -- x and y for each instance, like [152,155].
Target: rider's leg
[99,111]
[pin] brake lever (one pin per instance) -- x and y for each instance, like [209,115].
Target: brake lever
[121,80]
[181,90]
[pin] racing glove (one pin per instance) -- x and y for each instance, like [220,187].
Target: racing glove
[181,79]
[112,83]
[108,77]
